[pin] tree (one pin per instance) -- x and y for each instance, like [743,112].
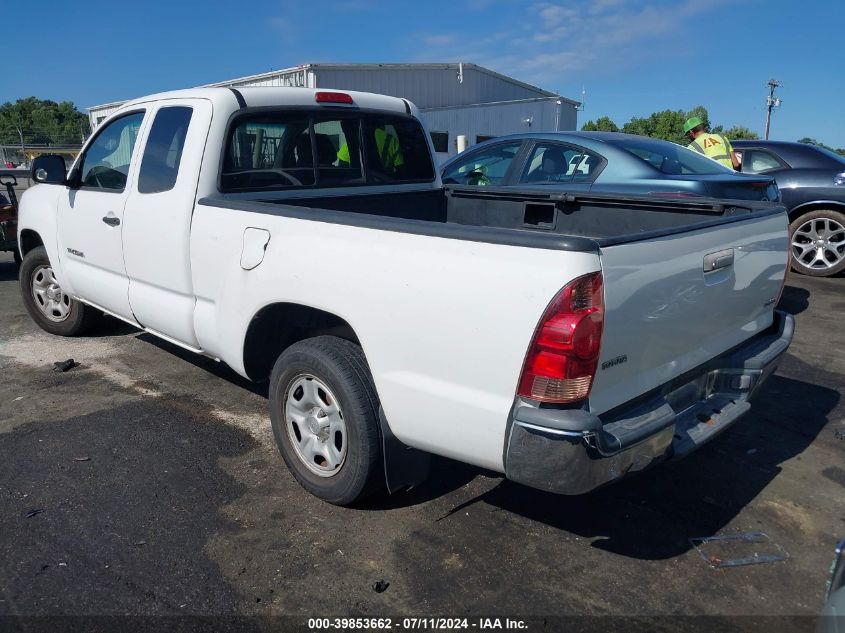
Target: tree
[669,125]
[738,133]
[42,122]
[602,124]
[811,141]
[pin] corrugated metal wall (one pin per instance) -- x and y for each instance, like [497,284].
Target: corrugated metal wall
[425,87]
[499,119]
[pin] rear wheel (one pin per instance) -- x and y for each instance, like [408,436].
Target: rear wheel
[49,306]
[324,412]
[817,243]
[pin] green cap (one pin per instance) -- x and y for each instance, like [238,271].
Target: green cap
[691,123]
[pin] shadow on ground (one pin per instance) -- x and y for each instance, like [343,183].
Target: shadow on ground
[109,513]
[8,271]
[654,514]
[794,299]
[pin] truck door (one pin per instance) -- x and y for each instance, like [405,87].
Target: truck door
[157,231]
[90,217]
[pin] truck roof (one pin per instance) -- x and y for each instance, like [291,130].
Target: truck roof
[275,96]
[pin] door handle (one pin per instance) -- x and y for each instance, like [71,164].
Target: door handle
[718,260]
[111,220]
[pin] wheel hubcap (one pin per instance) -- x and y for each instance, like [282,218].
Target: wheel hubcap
[819,243]
[48,295]
[315,425]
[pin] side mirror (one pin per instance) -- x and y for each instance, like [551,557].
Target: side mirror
[49,169]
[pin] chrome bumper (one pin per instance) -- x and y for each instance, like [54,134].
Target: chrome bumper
[572,451]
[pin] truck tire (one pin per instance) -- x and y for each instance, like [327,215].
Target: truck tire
[817,243]
[53,310]
[324,411]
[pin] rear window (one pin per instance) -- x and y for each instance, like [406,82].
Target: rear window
[670,158]
[294,149]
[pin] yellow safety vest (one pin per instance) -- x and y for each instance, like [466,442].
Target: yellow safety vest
[714,146]
[388,148]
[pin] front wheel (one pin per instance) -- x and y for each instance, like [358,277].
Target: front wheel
[50,307]
[324,412]
[817,243]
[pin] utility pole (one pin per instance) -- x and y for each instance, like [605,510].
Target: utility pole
[771,102]
[23,149]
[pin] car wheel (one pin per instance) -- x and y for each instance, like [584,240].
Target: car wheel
[52,309]
[324,412]
[817,241]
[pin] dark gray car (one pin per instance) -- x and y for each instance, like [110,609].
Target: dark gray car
[601,162]
[812,186]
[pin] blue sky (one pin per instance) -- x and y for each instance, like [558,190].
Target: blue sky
[633,57]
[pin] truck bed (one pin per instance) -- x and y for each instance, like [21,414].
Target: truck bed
[530,216]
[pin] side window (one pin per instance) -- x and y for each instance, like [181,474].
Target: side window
[485,167]
[755,161]
[163,152]
[105,164]
[440,140]
[556,163]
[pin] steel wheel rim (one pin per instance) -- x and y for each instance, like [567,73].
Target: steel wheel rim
[819,244]
[48,296]
[315,425]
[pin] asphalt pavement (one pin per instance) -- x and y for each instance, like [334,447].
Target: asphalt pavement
[145,481]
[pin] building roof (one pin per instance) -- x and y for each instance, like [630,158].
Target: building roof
[456,66]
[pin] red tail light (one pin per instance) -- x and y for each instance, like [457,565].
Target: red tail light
[333,97]
[563,355]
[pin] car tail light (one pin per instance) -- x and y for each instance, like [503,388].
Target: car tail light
[561,361]
[333,97]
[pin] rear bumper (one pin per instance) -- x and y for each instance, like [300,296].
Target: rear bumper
[569,451]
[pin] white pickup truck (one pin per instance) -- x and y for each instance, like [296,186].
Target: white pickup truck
[303,237]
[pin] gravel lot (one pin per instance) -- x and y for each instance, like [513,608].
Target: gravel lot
[163,493]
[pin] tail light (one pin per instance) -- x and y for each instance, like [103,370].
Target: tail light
[332,97]
[564,352]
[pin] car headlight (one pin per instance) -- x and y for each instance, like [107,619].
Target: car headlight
[839,180]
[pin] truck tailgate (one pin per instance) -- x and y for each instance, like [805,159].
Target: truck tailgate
[675,302]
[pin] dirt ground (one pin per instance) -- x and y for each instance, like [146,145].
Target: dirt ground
[159,491]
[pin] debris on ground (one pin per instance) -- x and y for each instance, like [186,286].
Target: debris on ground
[33,512]
[380,586]
[139,543]
[839,434]
[82,459]
[737,550]
[64,365]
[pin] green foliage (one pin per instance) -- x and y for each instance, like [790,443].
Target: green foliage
[740,133]
[811,141]
[602,124]
[42,122]
[668,125]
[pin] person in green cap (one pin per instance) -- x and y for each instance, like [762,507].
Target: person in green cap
[713,146]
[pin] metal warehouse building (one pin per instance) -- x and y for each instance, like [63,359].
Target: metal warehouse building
[457,100]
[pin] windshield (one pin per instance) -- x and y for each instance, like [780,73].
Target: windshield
[670,158]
